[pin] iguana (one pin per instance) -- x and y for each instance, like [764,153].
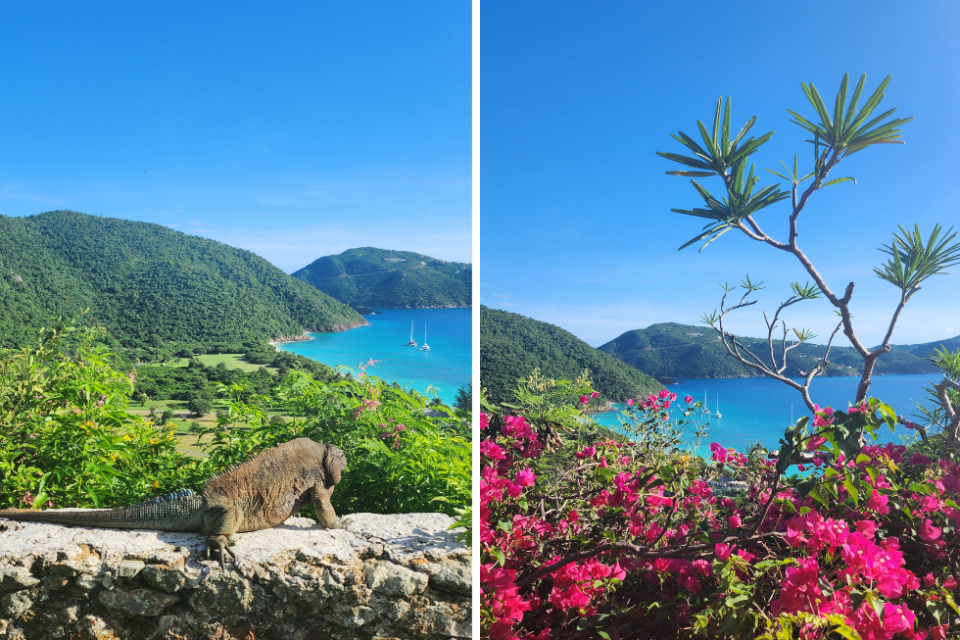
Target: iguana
[259,493]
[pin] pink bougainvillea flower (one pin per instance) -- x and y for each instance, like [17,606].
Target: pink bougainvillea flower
[584,400]
[587,452]
[688,399]
[814,442]
[719,453]
[629,402]
[927,531]
[595,395]
[525,478]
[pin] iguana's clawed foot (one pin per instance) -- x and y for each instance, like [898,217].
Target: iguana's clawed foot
[222,546]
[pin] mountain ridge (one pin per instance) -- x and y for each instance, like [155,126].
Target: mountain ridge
[368,277]
[675,350]
[144,281]
[512,345]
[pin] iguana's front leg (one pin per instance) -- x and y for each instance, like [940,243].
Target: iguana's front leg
[221,544]
[220,523]
[324,508]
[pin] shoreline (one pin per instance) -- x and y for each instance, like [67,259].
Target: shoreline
[305,336]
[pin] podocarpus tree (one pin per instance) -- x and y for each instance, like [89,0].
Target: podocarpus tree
[834,136]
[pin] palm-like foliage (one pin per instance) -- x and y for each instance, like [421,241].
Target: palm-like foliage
[719,152]
[848,130]
[912,260]
[740,202]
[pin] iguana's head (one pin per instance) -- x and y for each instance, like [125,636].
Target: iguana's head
[334,464]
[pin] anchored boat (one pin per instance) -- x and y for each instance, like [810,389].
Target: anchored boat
[412,342]
[425,346]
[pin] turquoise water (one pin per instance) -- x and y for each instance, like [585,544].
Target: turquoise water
[758,409]
[446,366]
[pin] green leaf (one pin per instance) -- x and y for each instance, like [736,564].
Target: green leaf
[838,181]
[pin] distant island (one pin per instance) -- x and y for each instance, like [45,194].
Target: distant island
[368,278]
[638,361]
[673,350]
[512,346]
[150,286]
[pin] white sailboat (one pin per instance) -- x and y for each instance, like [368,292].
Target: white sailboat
[717,414]
[412,342]
[705,409]
[425,346]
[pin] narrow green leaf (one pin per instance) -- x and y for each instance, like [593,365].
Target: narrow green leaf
[838,181]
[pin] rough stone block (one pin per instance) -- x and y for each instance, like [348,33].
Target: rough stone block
[381,576]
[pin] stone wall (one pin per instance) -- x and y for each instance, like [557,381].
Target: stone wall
[381,576]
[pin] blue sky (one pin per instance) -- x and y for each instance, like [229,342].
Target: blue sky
[295,130]
[577,97]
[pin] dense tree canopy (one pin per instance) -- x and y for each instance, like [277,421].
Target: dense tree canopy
[149,284]
[369,277]
[672,350]
[512,346]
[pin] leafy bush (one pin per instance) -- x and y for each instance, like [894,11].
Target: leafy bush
[400,459]
[635,542]
[67,439]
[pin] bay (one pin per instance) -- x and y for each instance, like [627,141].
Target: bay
[759,409]
[445,368]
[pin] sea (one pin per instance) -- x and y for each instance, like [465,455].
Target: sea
[759,409]
[444,368]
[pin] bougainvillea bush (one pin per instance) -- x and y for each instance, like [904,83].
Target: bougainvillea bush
[834,536]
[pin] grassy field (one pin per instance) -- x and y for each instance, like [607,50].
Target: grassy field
[232,360]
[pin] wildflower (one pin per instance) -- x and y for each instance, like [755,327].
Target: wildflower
[688,399]
[594,395]
[584,400]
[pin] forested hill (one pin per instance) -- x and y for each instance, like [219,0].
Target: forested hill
[671,350]
[512,346]
[148,282]
[369,277]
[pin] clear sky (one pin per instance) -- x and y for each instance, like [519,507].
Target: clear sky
[577,97]
[293,129]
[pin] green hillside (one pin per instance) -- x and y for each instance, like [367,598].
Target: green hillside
[369,277]
[512,346]
[672,350]
[148,283]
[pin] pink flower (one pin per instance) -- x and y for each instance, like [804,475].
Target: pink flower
[719,453]
[664,394]
[586,453]
[929,532]
[688,399]
[814,442]
[734,522]
[492,451]
[595,395]
[629,402]
[525,478]
[722,551]
[823,417]
[584,400]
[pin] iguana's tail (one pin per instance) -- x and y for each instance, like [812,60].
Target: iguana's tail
[180,511]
